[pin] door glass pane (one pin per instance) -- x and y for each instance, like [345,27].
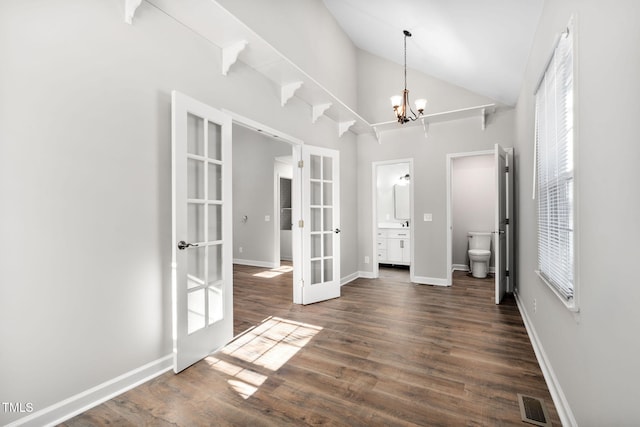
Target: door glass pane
[316,193]
[216,311]
[327,198]
[316,248]
[316,219]
[328,244]
[215,222]
[195,135]
[195,223]
[195,310]
[215,264]
[214,142]
[327,168]
[328,269]
[195,267]
[195,179]
[327,214]
[315,168]
[215,182]
[316,272]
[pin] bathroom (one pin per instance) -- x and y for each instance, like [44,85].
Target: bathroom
[393,213]
[473,201]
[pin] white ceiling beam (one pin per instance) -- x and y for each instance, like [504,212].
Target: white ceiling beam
[318,110]
[287,91]
[230,55]
[130,7]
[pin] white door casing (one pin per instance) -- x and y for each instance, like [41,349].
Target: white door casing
[499,234]
[321,224]
[202,270]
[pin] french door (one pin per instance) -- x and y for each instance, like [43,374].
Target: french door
[202,270]
[320,224]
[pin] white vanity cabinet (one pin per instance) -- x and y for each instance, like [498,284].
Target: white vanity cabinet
[394,246]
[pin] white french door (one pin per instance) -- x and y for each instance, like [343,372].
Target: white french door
[321,224]
[202,270]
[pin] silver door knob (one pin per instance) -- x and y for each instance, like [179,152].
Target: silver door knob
[182,245]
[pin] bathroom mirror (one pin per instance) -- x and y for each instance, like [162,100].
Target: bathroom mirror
[401,201]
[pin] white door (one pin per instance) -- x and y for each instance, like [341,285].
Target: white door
[499,243]
[202,286]
[321,224]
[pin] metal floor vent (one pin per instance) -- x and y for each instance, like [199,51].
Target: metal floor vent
[533,411]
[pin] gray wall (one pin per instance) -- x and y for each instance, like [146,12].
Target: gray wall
[253,195]
[85,184]
[594,354]
[473,202]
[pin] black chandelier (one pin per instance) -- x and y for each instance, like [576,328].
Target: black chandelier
[400,103]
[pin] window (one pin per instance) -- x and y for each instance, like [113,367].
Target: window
[554,138]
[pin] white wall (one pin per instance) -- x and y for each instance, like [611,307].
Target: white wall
[594,354]
[253,195]
[85,185]
[473,201]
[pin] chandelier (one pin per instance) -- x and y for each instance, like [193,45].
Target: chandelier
[400,103]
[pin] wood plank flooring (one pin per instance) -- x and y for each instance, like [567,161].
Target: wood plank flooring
[387,352]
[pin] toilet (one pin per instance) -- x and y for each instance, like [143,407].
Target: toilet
[479,253]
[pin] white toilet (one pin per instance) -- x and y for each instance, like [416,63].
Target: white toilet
[479,253]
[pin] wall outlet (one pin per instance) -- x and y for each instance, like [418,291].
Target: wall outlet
[240,249]
[428,217]
[267,218]
[366,260]
[535,304]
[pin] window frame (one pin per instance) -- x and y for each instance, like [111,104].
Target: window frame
[563,179]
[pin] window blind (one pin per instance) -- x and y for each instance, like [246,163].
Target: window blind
[554,169]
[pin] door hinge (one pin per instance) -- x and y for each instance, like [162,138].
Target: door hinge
[507,273]
[300,164]
[506,169]
[506,221]
[301,223]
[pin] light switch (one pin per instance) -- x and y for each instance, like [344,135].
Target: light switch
[428,217]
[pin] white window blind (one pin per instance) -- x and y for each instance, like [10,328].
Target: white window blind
[554,169]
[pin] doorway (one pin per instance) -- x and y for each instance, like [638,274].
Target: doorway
[480,197]
[392,196]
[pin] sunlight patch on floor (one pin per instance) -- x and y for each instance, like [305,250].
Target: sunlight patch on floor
[274,272]
[269,345]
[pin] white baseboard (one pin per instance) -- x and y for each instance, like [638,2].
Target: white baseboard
[253,263]
[459,267]
[350,278]
[81,402]
[436,281]
[559,399]
[366,274]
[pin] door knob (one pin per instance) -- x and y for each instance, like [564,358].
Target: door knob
[337,230]
[182,245]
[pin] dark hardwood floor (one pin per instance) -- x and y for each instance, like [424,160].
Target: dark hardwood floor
[387,352]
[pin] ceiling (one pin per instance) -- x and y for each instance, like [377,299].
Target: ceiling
[480,45]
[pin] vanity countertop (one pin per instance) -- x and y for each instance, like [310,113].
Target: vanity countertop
[392,225]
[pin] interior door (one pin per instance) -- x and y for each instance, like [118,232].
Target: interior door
[202,276]
[500,241]
[321,224]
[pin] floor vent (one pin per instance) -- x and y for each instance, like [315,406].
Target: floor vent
[533,411]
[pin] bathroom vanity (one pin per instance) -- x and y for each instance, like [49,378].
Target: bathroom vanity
[394,245]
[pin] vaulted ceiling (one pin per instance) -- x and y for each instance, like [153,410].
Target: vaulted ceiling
[480,45]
